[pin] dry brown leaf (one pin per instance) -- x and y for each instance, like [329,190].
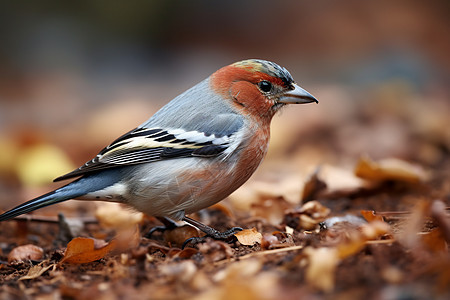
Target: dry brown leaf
[435,241]
[269,241]
[350,235]
[84,250]
[320,272]
[312,186]
[249,237]
[351,247]
[183,271]
[389,169]
[173,252]
[339,180]
[370,216]
[25,252]
[36,271]
[214,250]
[374,230]
[306,217]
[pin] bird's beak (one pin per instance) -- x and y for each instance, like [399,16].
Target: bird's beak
[297,96]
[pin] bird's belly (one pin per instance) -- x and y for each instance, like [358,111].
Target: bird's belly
[171,189]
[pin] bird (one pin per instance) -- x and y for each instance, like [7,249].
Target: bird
[192,153]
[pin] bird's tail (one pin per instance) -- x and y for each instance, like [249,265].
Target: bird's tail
[75,189]
[72,190]
[36,203]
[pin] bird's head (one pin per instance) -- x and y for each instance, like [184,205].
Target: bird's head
[258,88]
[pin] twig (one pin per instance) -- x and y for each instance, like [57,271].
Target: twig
[261,253]
[389,241]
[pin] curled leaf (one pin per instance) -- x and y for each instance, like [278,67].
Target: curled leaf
[307,217]
[25,252]
[36,271]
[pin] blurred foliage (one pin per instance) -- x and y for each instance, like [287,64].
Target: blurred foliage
[75,75]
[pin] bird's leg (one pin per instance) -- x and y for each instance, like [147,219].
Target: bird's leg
[210,232]
[167,224]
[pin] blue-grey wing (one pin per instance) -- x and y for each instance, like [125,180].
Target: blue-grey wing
[202,136]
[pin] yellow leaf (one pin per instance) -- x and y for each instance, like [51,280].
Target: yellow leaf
[40,164]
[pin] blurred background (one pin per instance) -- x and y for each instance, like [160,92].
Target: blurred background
[75,75]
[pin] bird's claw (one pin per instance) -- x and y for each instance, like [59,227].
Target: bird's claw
[149,234]
[216,235]
[168,225]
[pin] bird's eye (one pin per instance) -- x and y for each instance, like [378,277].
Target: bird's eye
[265,86]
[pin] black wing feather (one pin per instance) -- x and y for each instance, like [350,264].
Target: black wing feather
[112,157]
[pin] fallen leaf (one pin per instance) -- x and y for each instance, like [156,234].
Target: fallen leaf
[374,230]
[389,169]
[214,250]
[338,180]
[320,272]
[249,237]
[36,271]
[25,252]
[435,241]
[83,250]
[313,185]
[269,241]
[182,271]
[306,217]
[369,216]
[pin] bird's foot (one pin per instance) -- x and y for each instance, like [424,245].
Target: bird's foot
[168,225]
[226,236]
[210,233]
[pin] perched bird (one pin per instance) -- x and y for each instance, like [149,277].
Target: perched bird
[192,153]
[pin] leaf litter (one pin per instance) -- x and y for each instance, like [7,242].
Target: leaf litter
[353,225]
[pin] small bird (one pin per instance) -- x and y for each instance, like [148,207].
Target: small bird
[192,153]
